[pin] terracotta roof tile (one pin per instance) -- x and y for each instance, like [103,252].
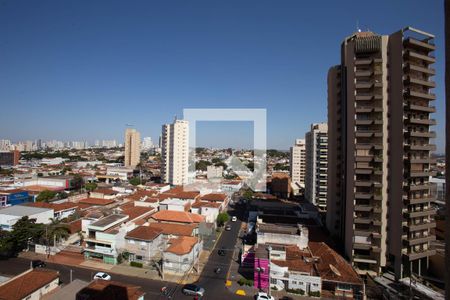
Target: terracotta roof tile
[96,201]
[112,290]
[27,283]
[177,216]
[145,233]
[214,197]
[182,245]
[55,206]
[174,229]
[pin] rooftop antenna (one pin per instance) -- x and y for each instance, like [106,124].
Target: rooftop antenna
[357,26]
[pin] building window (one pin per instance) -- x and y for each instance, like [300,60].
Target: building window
[139,257]
[47,286]
[131,241]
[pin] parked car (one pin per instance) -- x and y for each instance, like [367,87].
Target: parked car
[38,263]
[217,270]
[221,251]
[228,227]
[193,290]
[233,218]
[102,276]
[264,296]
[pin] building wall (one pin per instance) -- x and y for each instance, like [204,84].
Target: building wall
[298,162]
[175,151]
[132,147]
[36,295]
[317,165]
[147,249]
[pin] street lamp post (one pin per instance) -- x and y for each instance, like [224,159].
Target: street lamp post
[269,248]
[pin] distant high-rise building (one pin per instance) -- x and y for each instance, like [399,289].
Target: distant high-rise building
[298,163]
[317,165]
[10,158]
[132,147]
[147,143]
[5,145]
[175,152]
[379,193]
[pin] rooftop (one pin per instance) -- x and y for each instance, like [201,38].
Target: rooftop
[112,290]
[145,233]
[24,284]
[109,220]
[96,201]
[22,210]
[174,229]
[214,197]
[177,216]
[182,245]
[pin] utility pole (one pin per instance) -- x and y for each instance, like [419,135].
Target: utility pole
[70,275]
[269,248]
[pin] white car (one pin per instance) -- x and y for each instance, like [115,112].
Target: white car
[264,296]
[234,219]
[102,276]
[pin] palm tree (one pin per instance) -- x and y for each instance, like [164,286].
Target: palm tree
[57,230]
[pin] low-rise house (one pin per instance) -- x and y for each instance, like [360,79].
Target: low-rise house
[159,187]
[231,186]
[30,285]
[60,210]
[171,230]
[282,234]
[121,173]
[181,254]
[177,217]
[210,210]
[14,197]
[221,198]
[105,236]
[144,243]
[174,204]
[10,215]
[103,289]
[97,202]
[104,194]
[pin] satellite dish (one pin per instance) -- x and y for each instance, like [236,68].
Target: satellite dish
[335,271]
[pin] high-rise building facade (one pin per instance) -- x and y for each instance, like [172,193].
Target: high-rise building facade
[147,143]
[379,155]
[132,147]
[298,163]
[175,152]
[317,165]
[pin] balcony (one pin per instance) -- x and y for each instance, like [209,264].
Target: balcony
[363,183]
[367,259]
[368,146]
[419,240]
[363,171]
[362,220]
[425,173]
[362,246]
[413,67]
[420,213]
[417,255]
[418,187]
[363,73]
[368,133]
[364,208]
[410,54]
[429,122]
[359,195]
[420,200]
[422,160]
[363,61]
[416,44]
[420,226]
[421,95]
[426,83]
[425,108]
[424,147]
[425,134]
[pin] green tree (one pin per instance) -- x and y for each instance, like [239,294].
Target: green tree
[251,166]
[222,218]
[135,181]
[202,165]
[224,165]
[57,231]
[216,160]
[77,181]
[45,196]
[281,167]
[248,194]
[23,231]
[90,186]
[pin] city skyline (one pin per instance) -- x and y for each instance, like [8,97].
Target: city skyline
[236,62]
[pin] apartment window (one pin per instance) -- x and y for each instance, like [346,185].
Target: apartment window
[47,286]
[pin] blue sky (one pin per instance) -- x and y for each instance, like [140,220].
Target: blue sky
[74,70]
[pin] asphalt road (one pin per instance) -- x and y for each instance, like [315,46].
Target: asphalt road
[213,283]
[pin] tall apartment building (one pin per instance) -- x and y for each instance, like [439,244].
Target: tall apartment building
[317,165]
[298,163]
[379,200]
[132,147]
[175,152]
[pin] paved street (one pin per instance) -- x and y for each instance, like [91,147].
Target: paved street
[213,283]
